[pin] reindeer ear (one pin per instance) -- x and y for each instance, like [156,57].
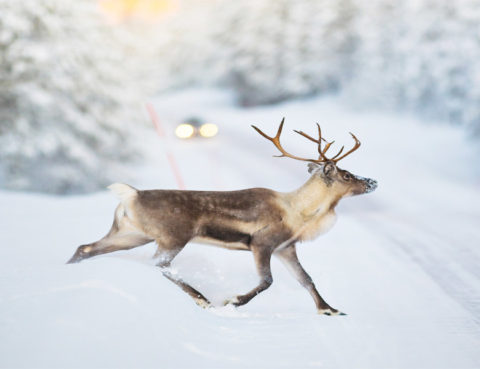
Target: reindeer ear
[329,169]
[312,167]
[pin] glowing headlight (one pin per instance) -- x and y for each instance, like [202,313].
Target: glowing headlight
[185,131]
[208,130]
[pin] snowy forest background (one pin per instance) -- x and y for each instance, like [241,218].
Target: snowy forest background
[74,79]
[79,81]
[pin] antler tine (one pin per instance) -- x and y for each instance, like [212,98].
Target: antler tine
[318,142]
[276,141]
[355,147]
[308,137]
[327,146]
[280,127]
[279,132]
[333,158]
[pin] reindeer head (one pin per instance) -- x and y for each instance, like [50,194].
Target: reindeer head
[342,182]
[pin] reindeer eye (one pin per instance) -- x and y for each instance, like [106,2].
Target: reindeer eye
[347,176]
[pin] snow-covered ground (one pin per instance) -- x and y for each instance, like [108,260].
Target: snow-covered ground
[403,262]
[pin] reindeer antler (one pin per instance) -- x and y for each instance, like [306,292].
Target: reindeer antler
[356,146]
[276,141]
[322,157]
[319,142]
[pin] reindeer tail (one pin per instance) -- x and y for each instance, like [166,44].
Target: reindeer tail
[124,192]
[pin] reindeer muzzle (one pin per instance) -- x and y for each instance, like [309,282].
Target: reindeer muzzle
[370,185]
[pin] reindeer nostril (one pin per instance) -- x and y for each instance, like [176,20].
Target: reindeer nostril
[371,185]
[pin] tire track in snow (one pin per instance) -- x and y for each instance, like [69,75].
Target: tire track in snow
[450,277]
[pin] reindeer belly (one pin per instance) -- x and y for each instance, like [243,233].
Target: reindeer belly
[224,237]
[223,244]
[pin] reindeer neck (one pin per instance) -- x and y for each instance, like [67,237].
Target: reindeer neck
[313,198]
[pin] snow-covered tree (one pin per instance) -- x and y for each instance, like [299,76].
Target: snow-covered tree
[441,72]
[267,50]
[415,55]
[69,96]
[420,56]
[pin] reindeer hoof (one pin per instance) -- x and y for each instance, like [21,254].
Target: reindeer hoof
[233,301]
[82,252]
[76,258]
[330,312]
[204,304]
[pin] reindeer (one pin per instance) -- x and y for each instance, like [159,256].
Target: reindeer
[259,220]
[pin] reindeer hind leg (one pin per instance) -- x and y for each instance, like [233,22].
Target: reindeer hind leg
[122,236]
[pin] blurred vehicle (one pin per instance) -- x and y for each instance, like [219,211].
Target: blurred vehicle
[196,127]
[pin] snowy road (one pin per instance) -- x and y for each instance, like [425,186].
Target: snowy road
[403,262]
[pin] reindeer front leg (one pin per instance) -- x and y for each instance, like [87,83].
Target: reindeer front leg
[289,257]
[262,258]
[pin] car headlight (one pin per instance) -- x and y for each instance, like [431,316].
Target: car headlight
[185,130]
[208,130]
